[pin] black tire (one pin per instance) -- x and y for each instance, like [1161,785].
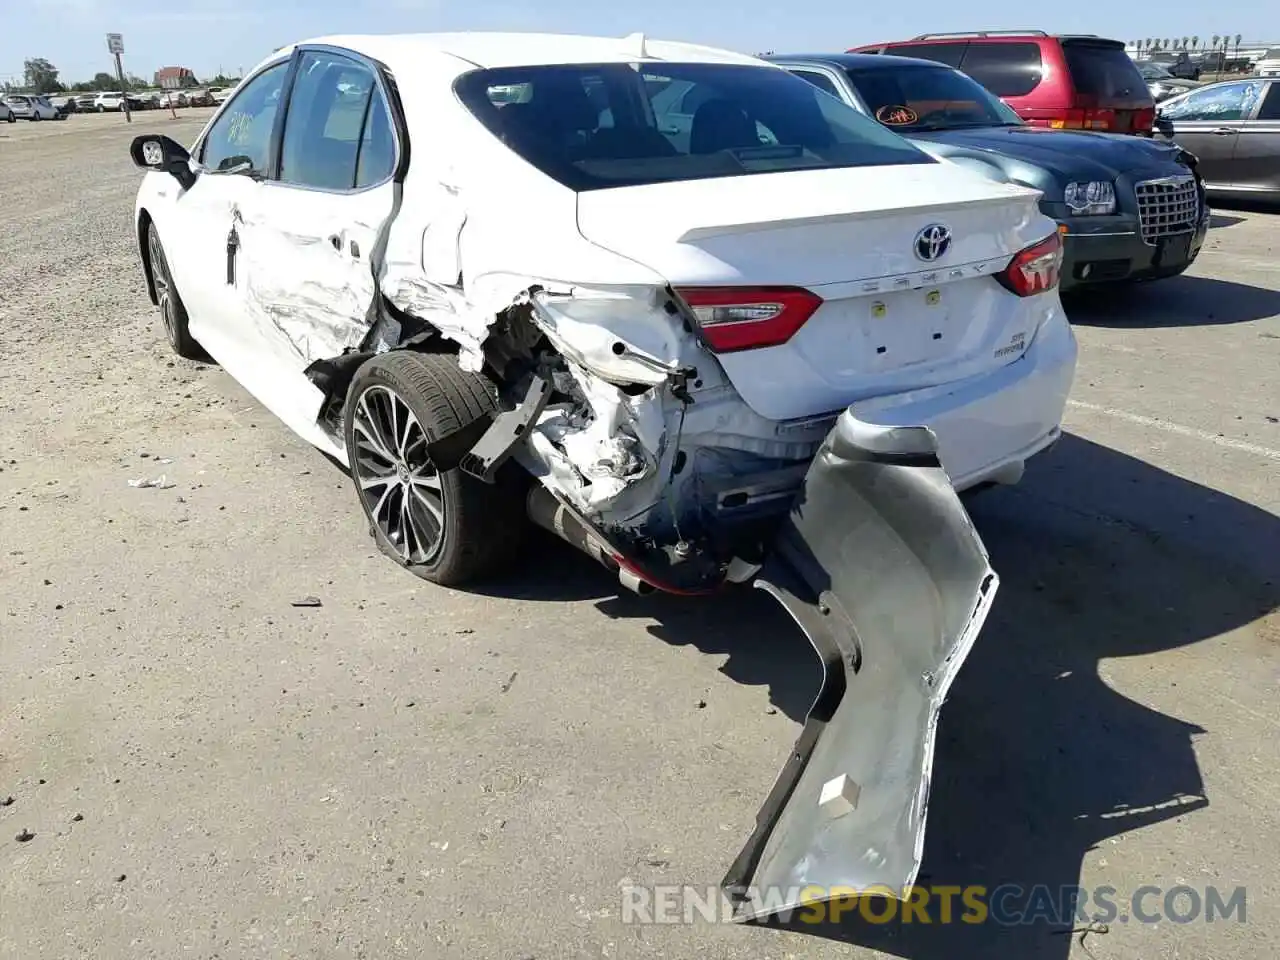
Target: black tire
[481,526]
[173,313]
[101,108]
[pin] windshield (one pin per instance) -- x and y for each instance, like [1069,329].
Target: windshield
[914,99]
[610,125]
[1153,71]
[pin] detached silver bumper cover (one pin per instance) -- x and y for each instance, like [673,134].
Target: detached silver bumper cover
[881,567]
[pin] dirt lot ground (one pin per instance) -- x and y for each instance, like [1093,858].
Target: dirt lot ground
[209,771]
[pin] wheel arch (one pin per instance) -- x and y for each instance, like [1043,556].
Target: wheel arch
[144,223]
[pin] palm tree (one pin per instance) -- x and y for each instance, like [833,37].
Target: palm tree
[1195,42]
[1184,42]
[1216,38]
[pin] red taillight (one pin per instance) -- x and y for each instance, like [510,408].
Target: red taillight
[746,318]
[1070,120]
[1035,269]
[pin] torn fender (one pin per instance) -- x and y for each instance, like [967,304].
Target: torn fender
[881,567]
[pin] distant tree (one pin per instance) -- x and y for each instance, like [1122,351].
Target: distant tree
[1195,42]
[222,80]
[134,82]
[103,81]
[40,75]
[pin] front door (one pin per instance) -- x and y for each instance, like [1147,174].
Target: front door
[1208,122]
[200,229]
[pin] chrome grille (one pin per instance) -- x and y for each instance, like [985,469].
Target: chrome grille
[1166,207]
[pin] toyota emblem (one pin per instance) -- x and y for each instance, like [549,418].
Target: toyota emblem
[933,241]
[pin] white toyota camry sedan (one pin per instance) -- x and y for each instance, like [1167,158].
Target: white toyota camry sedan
[670,302]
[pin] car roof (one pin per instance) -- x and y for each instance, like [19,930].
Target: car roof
[860,61]
[493,49]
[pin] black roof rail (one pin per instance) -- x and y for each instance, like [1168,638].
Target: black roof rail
[982,33]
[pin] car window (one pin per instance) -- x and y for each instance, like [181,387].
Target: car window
[819,80]
[336,113]
[1102,70]
[1230,101]
[749,119]
[949,53]
[928,98]
[242,133]
[377,159]
[1271,106]
[1006,69]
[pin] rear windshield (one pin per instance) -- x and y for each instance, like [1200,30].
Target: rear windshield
[913,99]
[1105,72]
[610,125]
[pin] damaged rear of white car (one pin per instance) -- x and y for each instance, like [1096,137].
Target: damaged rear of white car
[671,303]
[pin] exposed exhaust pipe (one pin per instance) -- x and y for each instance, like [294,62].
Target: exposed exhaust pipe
[550,514]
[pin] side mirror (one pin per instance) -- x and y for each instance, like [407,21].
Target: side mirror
[1163,124]
[154,151]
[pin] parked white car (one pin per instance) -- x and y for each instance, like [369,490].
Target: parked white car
[1269,64]
[772,344]
[6,113]
[31,107]
[114,100]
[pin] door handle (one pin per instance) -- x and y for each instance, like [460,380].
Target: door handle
[233,244]
[1223,132]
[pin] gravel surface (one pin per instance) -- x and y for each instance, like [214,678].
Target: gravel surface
[201,764]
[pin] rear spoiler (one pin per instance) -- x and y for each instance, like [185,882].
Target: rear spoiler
[759,226]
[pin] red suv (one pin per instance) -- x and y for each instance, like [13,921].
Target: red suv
[1063,82]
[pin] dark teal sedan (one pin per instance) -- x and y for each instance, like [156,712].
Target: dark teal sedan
[1129,208]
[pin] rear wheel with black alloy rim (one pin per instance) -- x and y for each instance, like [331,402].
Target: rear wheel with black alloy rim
[450,528]
[173,314]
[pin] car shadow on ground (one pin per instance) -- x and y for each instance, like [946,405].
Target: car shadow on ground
[1039,760]
[1184,301]
[1218,220]
[1242,204]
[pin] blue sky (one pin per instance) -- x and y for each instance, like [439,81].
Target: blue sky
[207,34]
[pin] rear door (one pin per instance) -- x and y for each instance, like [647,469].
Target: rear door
[1208,122]
[1012,70]
[310,239]
[1256,161]
[1108,85]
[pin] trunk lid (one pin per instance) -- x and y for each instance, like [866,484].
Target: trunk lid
[1108,86]
[890,321]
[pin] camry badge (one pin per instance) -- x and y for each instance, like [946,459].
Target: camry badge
[933,242]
